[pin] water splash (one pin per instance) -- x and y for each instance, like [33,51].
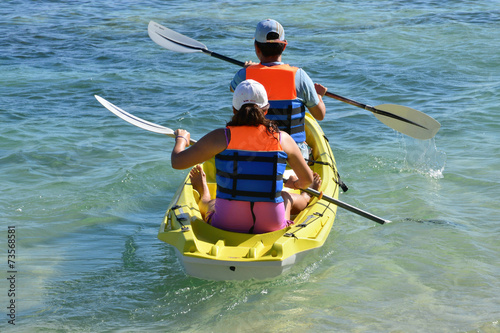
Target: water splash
[424,157]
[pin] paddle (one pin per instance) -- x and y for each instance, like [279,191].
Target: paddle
[152,127]
[403,119]
[346,206]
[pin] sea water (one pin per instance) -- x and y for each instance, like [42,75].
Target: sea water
[83,192]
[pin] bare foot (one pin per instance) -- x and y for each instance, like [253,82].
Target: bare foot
[300,201]
[199,182]
[315,186]
[316,181]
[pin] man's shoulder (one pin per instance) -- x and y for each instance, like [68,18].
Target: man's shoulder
[302,78]
[239,77]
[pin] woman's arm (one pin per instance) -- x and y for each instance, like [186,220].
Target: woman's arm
[207,147]
[302,171]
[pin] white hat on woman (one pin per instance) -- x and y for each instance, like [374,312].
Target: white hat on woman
[249,92]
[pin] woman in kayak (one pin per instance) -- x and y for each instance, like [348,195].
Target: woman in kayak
[250,157]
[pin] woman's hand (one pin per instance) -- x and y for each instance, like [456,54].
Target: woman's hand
[182,135]
[291,182]
[207,147]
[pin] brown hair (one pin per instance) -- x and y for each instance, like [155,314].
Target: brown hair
[271,49]
[252,115]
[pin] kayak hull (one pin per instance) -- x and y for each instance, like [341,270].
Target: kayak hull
[209,269]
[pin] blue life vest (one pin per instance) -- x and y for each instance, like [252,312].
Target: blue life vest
[290,117]
[252,166]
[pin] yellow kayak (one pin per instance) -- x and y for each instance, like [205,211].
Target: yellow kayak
[210,253]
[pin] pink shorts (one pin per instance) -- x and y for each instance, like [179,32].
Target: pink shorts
[248,217]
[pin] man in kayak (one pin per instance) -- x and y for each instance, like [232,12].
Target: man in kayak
[251,155]
[290,90]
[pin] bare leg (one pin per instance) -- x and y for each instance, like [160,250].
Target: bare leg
[199,182]
[300,201]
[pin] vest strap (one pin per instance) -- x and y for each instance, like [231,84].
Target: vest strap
[285,111]
[237,157]
[248,193]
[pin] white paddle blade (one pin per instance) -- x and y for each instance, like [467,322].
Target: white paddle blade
[172,40]
[423,127]
[152,127]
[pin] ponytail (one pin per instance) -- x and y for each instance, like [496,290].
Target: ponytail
[252,115]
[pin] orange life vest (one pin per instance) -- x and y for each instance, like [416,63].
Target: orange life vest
[285,108]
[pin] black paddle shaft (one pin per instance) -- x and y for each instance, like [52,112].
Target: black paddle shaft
[372,109]
[222,57]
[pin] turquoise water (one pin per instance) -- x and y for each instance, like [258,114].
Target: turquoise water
[86,191]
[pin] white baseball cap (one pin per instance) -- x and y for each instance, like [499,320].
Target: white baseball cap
[249,92]
[267,26]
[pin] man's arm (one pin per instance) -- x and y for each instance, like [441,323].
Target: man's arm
[311,94]
[238,78]
[319,110]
